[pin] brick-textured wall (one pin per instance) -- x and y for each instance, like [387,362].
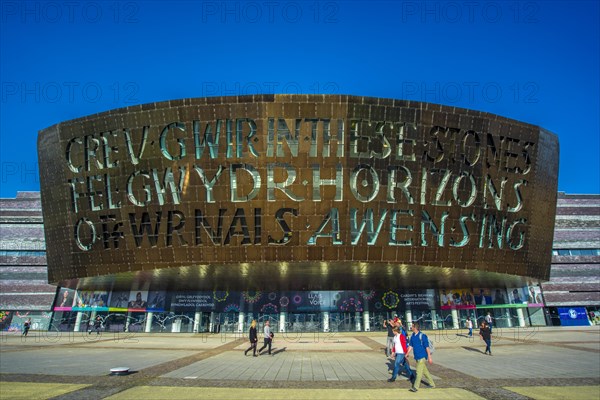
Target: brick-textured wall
[575,280]
[23,277]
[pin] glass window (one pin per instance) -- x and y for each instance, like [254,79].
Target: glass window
[21,253]
[576,252]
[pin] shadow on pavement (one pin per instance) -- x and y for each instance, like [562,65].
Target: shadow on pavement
[473,349]
[277,351]
[464,335]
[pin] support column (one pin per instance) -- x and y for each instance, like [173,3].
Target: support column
[78,321]
[176,325]
[357,322]
[197,321]
[508,318]
[521,317]
[434,319]
[366,322]
[89,327]
[240,322]
[149,317]
[211,323]
[127,322]
[455,320]
[282,319]
[325,321]
[408,318]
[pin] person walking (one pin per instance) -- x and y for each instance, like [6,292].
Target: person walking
[253,336]
[419,344]
[400,326]
[26,327]
[470,326]
[268,338]
[400,350]
[489,320]
[98,324]
[485,333]
[390,337]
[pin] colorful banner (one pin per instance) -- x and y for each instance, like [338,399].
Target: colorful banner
[201,301]
[457,299]
[86,299]
[119,300]
[517,296]
[5,320]
[573,316]
[296,301]
[138,300]
[417,300]
[534,296]
[483,296]
[500,297]
[64,300]
[156,301]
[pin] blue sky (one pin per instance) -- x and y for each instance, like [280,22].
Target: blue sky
[534,61]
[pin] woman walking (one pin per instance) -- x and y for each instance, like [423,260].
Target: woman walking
[253,339]
[470,327]
[26,327]
[485,334]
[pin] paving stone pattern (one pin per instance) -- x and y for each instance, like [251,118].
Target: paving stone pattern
[346,361]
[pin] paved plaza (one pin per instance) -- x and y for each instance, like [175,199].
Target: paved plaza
[533,363]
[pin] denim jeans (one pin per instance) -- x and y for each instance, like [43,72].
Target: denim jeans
[389,345]
[488,345]
[400,362]
[267,343]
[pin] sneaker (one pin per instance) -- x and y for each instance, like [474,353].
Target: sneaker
[392,380]
[246,352]
[412,389]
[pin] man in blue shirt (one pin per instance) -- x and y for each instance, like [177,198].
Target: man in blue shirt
[419,344]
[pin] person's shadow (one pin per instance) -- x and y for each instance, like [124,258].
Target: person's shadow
[390,364]
[277,351]
[473,349]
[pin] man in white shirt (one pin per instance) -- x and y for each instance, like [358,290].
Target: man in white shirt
[488,320]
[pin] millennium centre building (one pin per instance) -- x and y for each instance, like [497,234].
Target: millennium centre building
[317,212]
